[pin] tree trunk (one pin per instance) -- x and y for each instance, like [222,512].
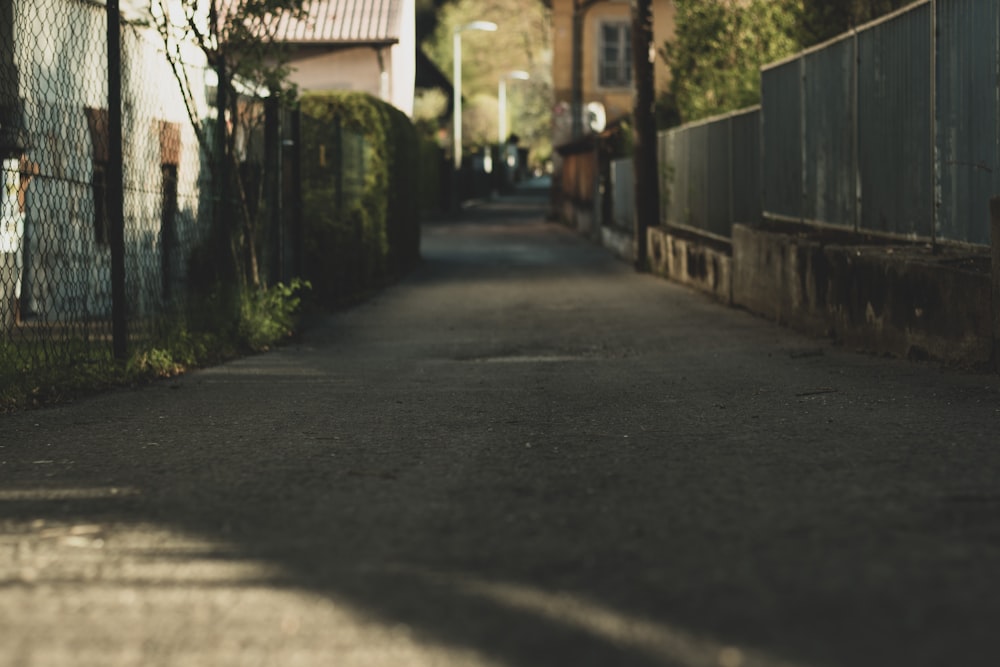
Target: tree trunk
[647,200]
[576,66]
[580,8]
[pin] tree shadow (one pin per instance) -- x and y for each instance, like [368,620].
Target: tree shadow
[562,503]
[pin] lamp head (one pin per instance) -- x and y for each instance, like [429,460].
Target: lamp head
[487,26]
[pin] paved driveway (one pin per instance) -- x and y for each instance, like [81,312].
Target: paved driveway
[525,454]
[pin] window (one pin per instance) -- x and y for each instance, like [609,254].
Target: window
[614,55]
[170,157]
[99,184]
[97,122]
[168,228]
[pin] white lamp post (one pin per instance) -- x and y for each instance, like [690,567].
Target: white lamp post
[488,26]
[502,102]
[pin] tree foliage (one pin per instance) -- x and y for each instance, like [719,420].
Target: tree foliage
[426,16]
[719,47]
[822,19]
[356,243]
[522,42]
[236,39]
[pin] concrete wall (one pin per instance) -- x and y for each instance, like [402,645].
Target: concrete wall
[901,301]
[691,263]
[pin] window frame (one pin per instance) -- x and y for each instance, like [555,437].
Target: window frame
[624,76]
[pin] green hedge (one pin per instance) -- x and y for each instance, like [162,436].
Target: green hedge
[359,233]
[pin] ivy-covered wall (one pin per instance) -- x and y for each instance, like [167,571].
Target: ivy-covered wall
[361,193]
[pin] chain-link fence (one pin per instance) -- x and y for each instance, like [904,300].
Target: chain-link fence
[55,287]
[68,155]
[143,195]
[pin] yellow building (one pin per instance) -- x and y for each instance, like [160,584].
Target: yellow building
[605,57]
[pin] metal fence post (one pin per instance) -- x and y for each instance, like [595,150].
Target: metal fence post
[294,192]
[338,166]
[10,112]
[855,134]
[115,197]
[732,171]
[803,143]
[995,275]
[933,112]
[272,187]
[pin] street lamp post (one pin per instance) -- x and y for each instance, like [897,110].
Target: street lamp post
[487,26]
[502,103]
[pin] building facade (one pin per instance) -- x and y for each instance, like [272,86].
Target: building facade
[605,58]
[359,45]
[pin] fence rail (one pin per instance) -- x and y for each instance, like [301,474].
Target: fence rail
[622,193]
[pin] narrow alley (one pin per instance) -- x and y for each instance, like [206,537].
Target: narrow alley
[524,454]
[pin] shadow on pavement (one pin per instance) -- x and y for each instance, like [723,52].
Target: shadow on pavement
[514,472]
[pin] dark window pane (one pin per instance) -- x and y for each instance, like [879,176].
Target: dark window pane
[615,66]
[99,184]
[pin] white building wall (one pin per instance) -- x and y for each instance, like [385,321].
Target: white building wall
[403,58]
[61,55]
[359,68]
[353,69]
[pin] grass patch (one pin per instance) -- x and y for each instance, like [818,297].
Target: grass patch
[47,370]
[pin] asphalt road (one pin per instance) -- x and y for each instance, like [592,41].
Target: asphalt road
[525,454]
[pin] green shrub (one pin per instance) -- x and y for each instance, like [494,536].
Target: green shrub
[358,238]
[431,160]
[268,315]
[31,376]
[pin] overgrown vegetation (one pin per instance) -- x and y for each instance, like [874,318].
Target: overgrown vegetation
[352,243]
[720,46]
[239,41]
[822,19]
[358,235]
[719,49]
[34,376]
